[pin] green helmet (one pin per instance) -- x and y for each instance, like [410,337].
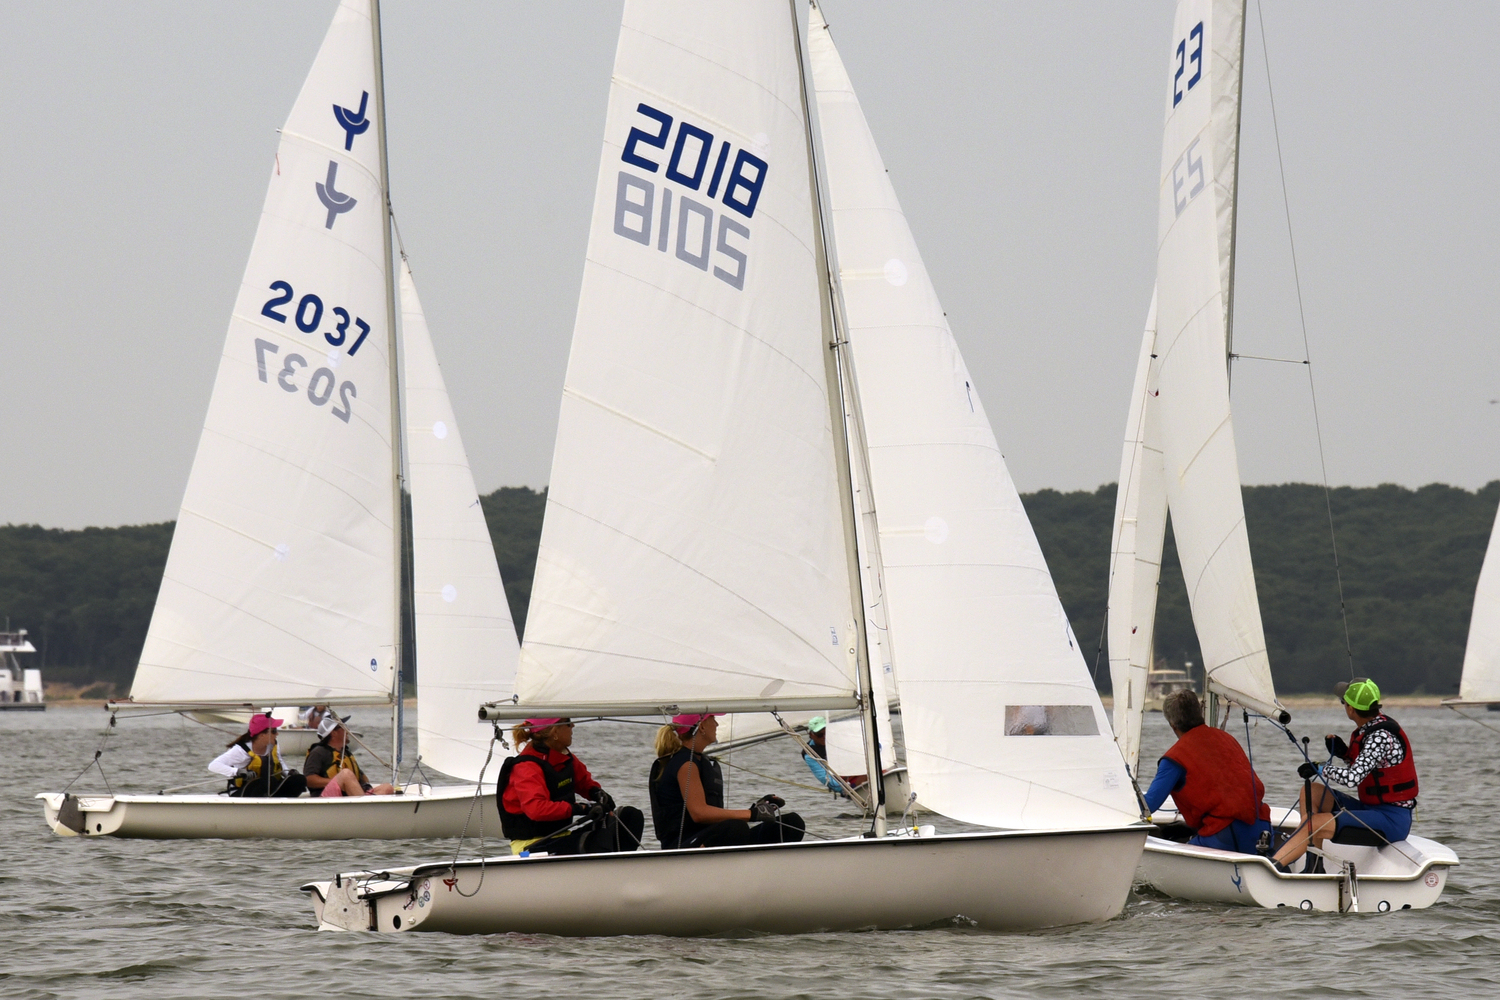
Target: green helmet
[1359,694]
[817,724]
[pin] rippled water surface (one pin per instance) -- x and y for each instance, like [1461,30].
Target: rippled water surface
[166,919]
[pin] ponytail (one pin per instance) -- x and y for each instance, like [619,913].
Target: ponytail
[668,741]
[242,741]
[521,733]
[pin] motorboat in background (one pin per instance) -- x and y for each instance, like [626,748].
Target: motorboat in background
[20,687]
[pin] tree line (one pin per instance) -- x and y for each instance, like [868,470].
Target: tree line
[1408,560]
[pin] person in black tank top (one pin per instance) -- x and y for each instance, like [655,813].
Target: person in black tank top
[687,795]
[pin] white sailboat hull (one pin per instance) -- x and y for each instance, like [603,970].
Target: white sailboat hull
[422,811]
[998,881]
[1409,874]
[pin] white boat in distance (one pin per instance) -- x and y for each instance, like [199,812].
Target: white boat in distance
[1179,453]
[699,549]
[1479,683]
[20,687]
[283,582]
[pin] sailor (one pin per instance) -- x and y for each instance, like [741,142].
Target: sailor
[1378,764]
[687,795]
[331,768]
[537,797]
[1206,772]
[817,759]
[253,766]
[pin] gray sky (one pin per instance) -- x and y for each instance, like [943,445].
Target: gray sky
[1023,140]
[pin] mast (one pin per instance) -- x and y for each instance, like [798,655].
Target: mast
[395,380]
[840,403]
[1234,210]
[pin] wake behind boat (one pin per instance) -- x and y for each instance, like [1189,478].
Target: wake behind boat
[283,585]
[728,500]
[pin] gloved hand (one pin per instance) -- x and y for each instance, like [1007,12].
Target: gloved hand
[579,808]
[767,809]
[596,813]
[1307,769]
[1336,746]
[602,797]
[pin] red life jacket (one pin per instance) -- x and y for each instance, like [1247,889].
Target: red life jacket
[1384,785]
[1220,785]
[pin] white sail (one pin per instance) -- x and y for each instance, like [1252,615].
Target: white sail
[466,641]
[281,583]
[693,545]
[1194,288]
[983,649]
[1135,552]
[1481,675]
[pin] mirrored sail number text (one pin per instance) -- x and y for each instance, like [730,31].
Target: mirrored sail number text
[1188,60]
[319,388]
[704,236]
[1187,177]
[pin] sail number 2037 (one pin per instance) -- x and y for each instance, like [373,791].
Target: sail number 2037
[320,387]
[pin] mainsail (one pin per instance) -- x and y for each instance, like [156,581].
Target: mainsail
[1002,724]
[465,636]
[1481,675]
[281,583]
[1195,269]
[693,547]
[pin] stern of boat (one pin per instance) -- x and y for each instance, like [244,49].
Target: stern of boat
[82,816]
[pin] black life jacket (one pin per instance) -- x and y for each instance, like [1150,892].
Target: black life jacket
[559,779]
[669,815]
[255,769]
[1384,785]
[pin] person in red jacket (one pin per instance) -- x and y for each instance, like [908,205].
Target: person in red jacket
[1378,764]
[1206,772]
[538,797]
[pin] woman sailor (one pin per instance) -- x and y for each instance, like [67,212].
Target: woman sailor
[536,797]
[1378,763]
[253,766]
[687,795]
[332,770]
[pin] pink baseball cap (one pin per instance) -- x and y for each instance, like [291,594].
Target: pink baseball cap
[260,723]
[686,723]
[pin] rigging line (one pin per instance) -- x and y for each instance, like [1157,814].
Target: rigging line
[1286,205]
[1478,722]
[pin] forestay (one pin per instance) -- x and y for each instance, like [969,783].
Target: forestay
[1002,725]
[1481,675]
[466,641]
[1135,552]
[1194,291]
[693,546]
[280,586]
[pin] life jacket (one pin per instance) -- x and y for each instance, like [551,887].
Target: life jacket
[669,815]
[343,760]
[1384,785]
[255,769]
[1220,786]
[559,779]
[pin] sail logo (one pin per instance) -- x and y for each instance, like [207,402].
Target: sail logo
[352,122]
[704,235]
[334,200]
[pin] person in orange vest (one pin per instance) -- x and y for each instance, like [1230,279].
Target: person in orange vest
[1378,764]
[1206,772]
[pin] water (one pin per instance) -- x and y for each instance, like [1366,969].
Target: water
[207,919]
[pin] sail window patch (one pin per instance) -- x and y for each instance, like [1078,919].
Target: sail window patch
[1050,720]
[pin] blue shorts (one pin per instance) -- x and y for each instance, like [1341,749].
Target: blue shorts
[1237,836]
[1392,822]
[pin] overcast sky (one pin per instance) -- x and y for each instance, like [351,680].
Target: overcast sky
[1023,140]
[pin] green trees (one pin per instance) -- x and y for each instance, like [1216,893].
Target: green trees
[1410,559]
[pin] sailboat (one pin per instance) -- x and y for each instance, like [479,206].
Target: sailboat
[1479,683]
[283,582]
[699,549]
[1179,455]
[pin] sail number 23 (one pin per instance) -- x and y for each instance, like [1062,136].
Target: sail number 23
[1189,62]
